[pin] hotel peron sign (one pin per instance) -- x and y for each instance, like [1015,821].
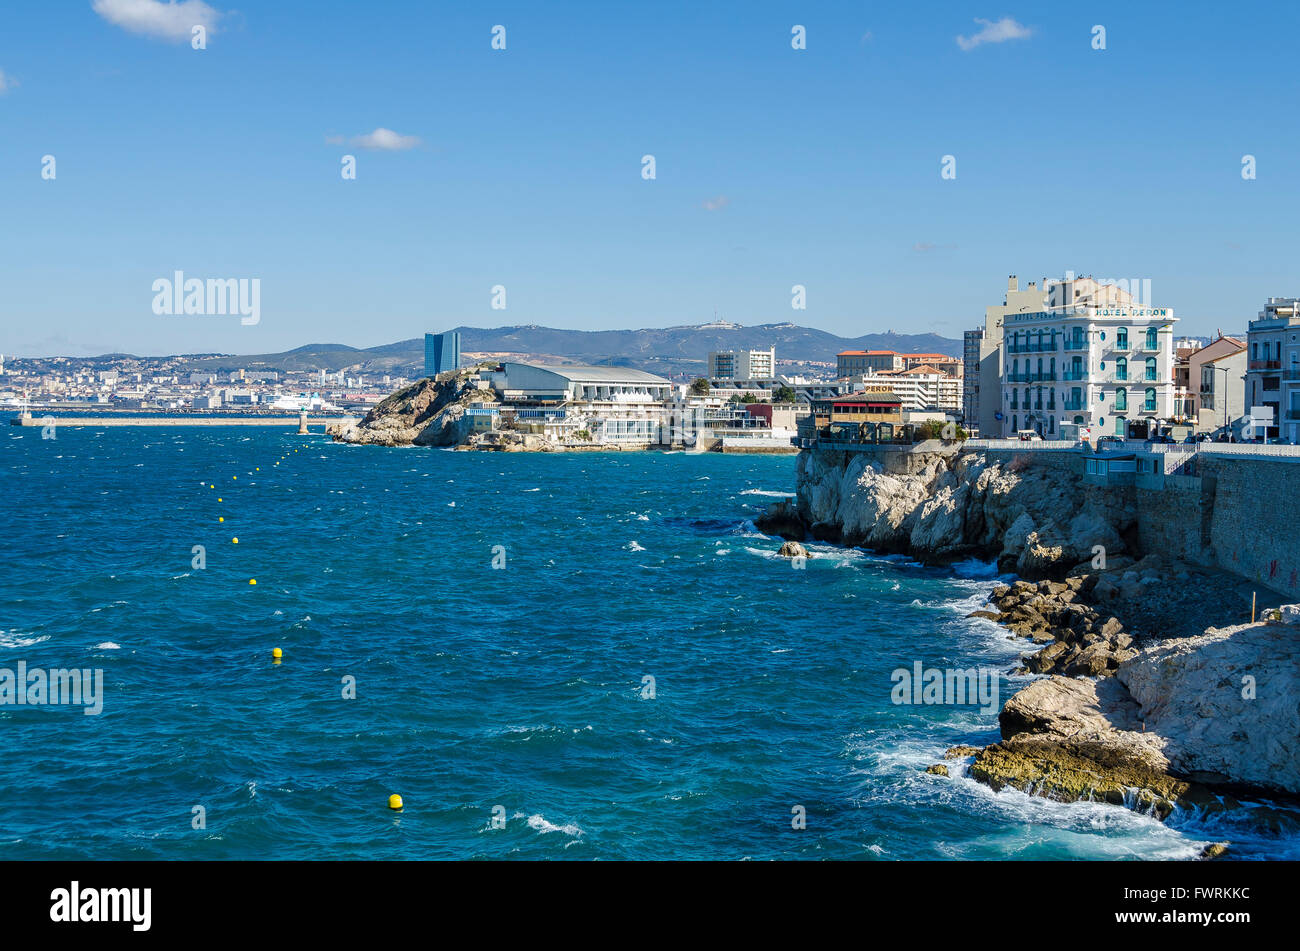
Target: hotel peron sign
[1084,312]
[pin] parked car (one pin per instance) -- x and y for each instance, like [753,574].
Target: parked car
[1109,439]
[1028,435]
[1157,439]
[1197,437]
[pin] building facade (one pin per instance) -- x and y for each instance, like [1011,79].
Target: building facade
[1087,356]
[970,389]
[742,364]
[858,362]
[1216,374]
[1273,366]
[441,352]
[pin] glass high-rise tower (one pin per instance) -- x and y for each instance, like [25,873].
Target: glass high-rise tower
[441,352]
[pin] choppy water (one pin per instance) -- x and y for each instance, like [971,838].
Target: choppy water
[476,687]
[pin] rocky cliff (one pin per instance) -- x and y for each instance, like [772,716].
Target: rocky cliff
[1153,710]
[937,506]
[426,413]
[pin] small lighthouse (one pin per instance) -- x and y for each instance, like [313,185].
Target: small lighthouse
[302,422]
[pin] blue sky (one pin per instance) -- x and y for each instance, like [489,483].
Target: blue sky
[774,166]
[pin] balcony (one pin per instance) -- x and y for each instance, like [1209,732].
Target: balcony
[1121,345]
[1076,345]
[1074,375]
[1265,365]
[1031,377]
[1148,407]
[1072,406]
[1031,348]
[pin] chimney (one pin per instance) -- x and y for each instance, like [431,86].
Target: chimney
[1012,283]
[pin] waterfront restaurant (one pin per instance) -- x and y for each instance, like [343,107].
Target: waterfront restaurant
[880,406]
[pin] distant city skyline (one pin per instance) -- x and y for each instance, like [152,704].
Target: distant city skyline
[796,155]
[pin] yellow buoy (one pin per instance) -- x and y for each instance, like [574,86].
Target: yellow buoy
[211,486]
[252,581]
[221,518]
[394,801]
[234,541]
[234,477]
[277,653]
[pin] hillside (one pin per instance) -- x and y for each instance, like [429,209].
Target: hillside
[669,350]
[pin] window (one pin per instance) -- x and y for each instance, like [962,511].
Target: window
[1121,339]
[1121,400]
[1149,406]
[1153,342]
[1151,369]
[1121,368]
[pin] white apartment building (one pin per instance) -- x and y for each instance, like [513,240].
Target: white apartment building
[1273,365]
[923,387]
[742,364]
[1086,354]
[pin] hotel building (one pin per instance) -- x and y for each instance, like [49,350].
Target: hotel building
[1083,353]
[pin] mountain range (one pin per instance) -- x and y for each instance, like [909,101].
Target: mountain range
[667,350]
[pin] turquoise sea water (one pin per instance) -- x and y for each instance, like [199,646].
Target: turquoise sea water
[521,688]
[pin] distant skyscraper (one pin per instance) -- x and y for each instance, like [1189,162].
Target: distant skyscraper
[441,353]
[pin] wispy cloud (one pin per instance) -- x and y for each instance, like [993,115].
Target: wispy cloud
[6,82]
[717,204]
[383,139]
[170,21]
[994,31]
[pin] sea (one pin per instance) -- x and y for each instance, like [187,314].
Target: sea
[546,656]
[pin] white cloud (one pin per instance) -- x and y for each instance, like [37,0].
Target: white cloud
[387,140]
[165,21]
[6,82]
[994,32]
[717,204]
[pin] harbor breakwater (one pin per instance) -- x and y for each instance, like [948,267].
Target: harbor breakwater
[1135,591]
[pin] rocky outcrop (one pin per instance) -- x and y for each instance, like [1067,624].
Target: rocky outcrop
[429,412]
[941,505]
[793,550]
[1225,702]
[1194,721]
[1072,739]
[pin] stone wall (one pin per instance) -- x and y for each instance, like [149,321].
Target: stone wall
[1255,523]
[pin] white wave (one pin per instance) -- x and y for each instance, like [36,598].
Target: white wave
[634,546]
[13,639]
[543,825]
[108,646]
[768,492]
